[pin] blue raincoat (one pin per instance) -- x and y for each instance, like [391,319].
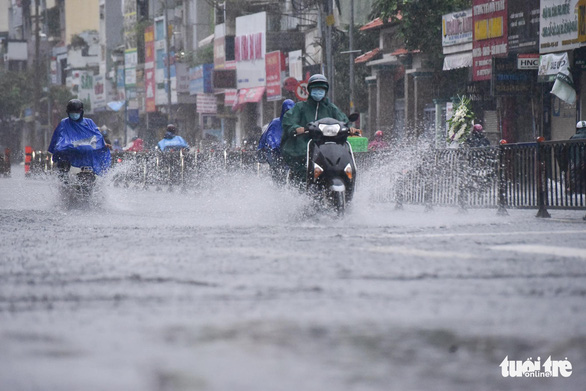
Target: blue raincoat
[269,146]
[172,141]
[81,144]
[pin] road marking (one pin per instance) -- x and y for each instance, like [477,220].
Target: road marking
[544,250]
[419,253]
[468,234]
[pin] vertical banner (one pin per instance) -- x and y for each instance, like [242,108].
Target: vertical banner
[274,65]
[296,65]
[150,84]
[490,36]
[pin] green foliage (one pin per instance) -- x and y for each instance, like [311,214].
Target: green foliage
[201,56]
[77,42]
[59,96]
[16,93]
[421,22]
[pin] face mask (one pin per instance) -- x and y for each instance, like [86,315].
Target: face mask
[318,94]
[75,116]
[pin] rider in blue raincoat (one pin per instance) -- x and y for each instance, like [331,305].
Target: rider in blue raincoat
[171,141]
[269,146]
[77,142]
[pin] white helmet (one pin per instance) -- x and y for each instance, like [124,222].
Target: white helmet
[581,124]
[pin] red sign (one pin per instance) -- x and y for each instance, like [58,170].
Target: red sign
[301,91]
[490,36]
[273,66]
[290,84]
[207,104]
[149,69]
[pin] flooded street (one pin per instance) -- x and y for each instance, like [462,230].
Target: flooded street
[240,286]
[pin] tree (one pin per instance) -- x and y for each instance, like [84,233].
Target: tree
[16,93]
[420,23]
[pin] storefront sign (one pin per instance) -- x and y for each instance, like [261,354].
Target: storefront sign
[560,22]
[457,28]
[490,36]
[207,104]
[508,80]
[523,24]
[528,61]
[230,97]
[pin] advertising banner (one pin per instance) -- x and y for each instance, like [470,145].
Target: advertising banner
[274,64]
[150,84]
[250,49]
[560,22]
[457,28]
[523,33]
[550,65]
[490,36]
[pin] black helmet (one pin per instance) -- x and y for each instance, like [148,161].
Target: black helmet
[318,80]
[74,106]
[171,128]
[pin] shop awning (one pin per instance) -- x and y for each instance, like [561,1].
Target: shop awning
[206,41]
[458,60]
[248,95]
[367,56]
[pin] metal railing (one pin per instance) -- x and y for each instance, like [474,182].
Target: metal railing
[540,175]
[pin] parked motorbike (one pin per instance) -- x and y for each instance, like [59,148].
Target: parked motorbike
[331,168]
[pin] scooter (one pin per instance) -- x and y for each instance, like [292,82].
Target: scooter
[77,184]
[331,168]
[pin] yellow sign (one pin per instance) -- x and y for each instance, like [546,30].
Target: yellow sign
[488,28]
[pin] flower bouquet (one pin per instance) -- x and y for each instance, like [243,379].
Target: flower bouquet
[461,122]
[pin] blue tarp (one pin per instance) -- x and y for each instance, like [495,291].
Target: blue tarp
[80,143]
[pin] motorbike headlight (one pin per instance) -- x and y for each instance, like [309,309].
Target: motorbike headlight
[348,171]
[329,130]
[317,171]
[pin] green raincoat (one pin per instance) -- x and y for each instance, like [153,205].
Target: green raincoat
[294,148]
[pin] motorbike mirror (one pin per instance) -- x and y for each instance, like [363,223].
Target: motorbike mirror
[353,117]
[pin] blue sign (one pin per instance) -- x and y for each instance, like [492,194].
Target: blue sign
[200,79]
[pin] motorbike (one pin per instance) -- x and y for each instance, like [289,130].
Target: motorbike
[77,185]
[331,168]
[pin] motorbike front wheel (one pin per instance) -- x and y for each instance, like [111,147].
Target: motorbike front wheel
[339,201]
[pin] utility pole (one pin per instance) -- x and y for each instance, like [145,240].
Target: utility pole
[330,21]
[168,62]
[36,79]
[350,49]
